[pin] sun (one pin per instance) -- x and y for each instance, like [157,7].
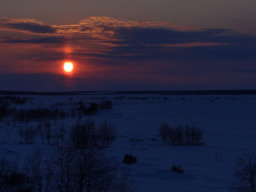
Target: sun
[68,66]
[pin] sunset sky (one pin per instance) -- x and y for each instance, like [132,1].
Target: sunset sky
[127,44]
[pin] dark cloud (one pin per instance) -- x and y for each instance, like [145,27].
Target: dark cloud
[160,43]
[156,36]
[26,25]
[30,27]
[43,40]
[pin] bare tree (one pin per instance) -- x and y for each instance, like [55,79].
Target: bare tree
[28,135]
[92,173]
[164,132]
[33,167]
[48,131]
[11,180]
[246,174]
[106,133]
[188,135]
[63,162]
[125,184]
[48,175]
[83,135]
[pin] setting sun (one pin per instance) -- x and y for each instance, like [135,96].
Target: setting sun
[68,67]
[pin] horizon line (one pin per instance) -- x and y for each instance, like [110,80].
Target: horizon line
[163,92]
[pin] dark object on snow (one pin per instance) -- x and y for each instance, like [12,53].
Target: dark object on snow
[177,169]
[129,159]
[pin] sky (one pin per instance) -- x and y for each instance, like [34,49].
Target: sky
[127,45]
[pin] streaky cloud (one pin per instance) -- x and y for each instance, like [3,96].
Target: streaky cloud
[26,25]
[117,39]
[43,40]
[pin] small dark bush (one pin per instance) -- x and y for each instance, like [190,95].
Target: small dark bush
[3,111]
[106,104]
[129,159]
[20,101]
[90,110]
[25,190]
[15,179]
[177,168]
[11,179]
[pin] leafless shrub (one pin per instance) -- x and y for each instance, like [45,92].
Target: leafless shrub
[106,134]
[188,135]
[83,135]
[82,170]
[28,134]
[164,132]
[245,174]
[62,162]
[107,104]
[33,167]
[86,135]
[125,184]
[11,180]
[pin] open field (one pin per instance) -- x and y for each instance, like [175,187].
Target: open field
[227,120]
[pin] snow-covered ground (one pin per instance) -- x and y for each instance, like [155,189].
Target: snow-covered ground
[228,122]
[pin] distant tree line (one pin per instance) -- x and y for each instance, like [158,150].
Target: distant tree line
[42,113]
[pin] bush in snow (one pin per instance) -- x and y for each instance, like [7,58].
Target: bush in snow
[164,132]
[245,174]
[29,134]
[177,168]
[107,104]
[83,135]
[70,170]
[106,134]
[129,159]
[86,135]
[82,170]
[188,135]
[3,111]
[11,179]
[88,110]
[193,135]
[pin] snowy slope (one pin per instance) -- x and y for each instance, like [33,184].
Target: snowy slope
[229,131]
